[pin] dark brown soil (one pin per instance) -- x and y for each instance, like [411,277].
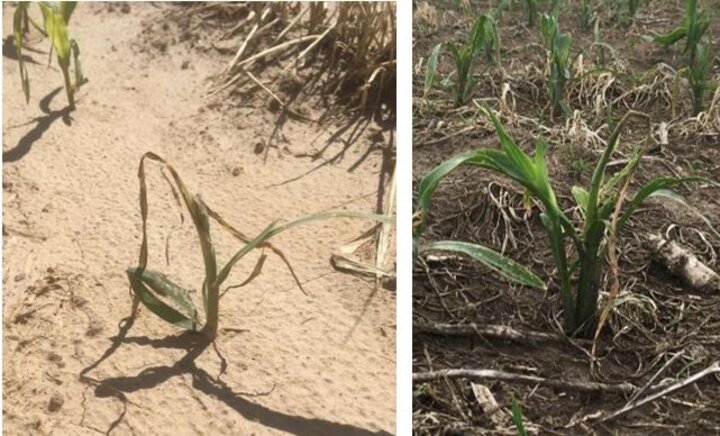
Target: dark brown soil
[661,317]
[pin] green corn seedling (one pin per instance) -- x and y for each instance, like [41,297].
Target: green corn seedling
[625,11]
[483,39]
[596,204]
[602,48]
[532,8]
[586,14]
[173,303]
[56,17]
[431,70]
[699,77]
[485,30]
[558,54]
[699,59]
[693,27]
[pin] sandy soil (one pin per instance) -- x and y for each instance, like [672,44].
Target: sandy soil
[295,364]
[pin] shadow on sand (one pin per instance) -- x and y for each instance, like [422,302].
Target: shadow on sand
[195,345]
[41,125]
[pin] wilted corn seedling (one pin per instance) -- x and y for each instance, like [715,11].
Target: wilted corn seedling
[595,204]
[173,303]
[558,54]
[56,17]
[484,38]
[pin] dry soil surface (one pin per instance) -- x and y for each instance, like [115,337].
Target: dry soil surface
[292,364]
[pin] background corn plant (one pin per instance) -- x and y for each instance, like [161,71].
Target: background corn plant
[698,73]
[532,8]
[173,303]
[698,55]
[56,17]
[431,69]
[483,39]
[596,204]
[558,54]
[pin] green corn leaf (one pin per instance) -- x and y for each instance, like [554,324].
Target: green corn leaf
[649,189]
[627,171]
[66,10]
[521,161]
[671,38]
[431,70]
[505,266]
[674,196]
[60,40]
[274,229]
[432,179]
[251,245]
[162,286]
[581,197]
[597,178]
[56,29]
[144,282]
[493,159]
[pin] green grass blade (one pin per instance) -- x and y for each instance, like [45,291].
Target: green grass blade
[517,417]
[505,266]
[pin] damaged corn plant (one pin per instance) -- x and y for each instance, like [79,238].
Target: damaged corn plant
[173,303]
[355,41]
[56,17]
[579,279]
